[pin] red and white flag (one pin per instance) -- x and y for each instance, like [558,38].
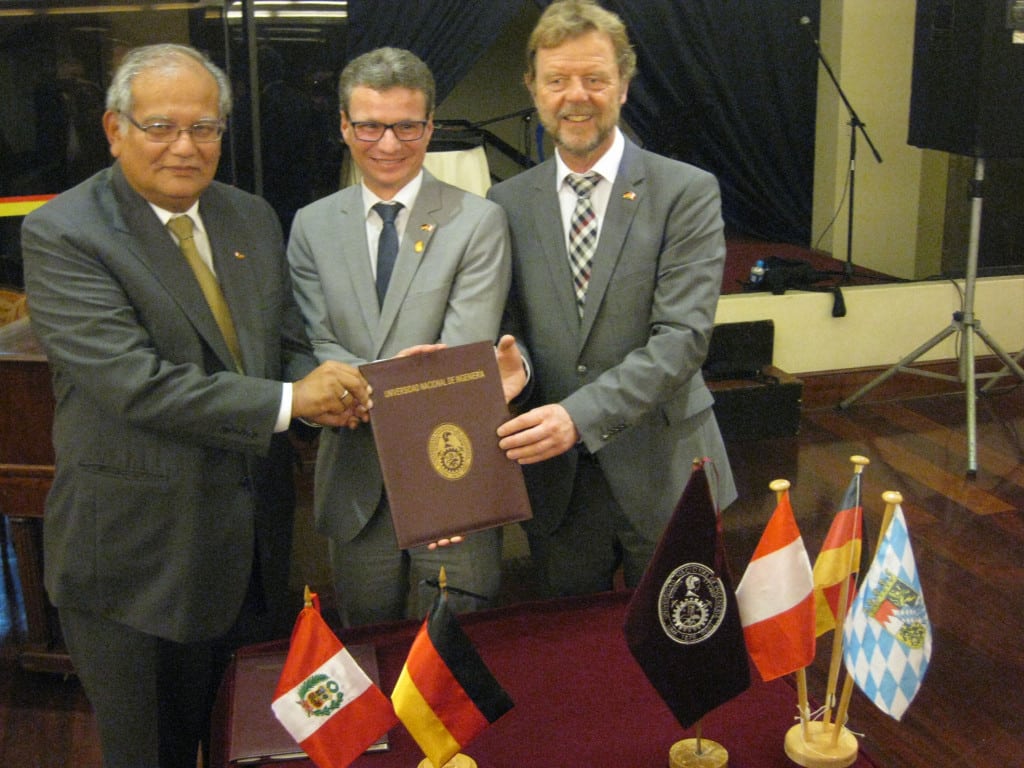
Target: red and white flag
[325,700]
[776,598]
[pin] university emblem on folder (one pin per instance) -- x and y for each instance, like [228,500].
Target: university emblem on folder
[450,450]
[692,603]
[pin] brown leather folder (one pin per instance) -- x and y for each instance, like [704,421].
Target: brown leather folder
[435,418]
[255,735]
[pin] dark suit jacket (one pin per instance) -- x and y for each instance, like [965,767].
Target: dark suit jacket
[166,461]
[629,373]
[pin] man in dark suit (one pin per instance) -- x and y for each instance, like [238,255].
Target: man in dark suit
[618,409]
[448,286]
[167,529]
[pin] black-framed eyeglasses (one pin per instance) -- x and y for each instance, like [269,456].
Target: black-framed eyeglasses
[203,132]
[404,130]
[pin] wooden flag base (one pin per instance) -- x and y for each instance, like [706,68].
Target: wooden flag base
[816,749]
[683,754]
[459,761]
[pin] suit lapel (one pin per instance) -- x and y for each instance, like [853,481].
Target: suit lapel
[238,281]
[547,215]
[349,240]
[626,197]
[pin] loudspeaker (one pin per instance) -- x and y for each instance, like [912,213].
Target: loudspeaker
[967,89]
[739,350]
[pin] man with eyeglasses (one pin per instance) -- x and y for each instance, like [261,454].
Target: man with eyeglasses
[449,275]
[168,526]
[617,265]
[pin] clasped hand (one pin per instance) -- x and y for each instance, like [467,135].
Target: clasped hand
[335,394]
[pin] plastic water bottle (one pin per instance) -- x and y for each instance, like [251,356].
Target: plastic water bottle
[757,272]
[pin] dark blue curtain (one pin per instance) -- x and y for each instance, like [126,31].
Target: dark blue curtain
[449,35]
[730,86]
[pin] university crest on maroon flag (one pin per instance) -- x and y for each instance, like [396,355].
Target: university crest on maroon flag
[682,623]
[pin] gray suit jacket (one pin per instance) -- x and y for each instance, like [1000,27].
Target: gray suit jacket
[166,461]
[449,285]
[629,372]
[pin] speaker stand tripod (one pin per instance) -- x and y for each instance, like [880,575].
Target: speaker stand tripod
[967,325]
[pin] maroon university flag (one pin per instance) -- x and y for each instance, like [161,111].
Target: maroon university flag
[682,623]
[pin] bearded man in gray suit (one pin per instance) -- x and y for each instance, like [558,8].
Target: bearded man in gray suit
[448,286]
[167,529]
[618,409]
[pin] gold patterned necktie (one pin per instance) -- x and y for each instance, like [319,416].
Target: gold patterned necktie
[182,228]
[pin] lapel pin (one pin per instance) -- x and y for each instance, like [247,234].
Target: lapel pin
[418,247]
[629,196]
[239,255]
[427,227]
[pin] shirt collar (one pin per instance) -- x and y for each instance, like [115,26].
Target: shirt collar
[607,165]
[406,195]
[193,213]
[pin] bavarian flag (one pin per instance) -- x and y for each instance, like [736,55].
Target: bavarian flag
[446,695]
[324,699]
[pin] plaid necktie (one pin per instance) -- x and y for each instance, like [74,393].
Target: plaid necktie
[182,228]
[582,233]
[387,247]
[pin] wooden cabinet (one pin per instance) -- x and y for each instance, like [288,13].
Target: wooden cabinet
[26,472]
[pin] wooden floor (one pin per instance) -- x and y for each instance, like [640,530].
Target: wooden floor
[967,534]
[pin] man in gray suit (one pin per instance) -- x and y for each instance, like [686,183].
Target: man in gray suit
[617,409]
[167,528]
[448,285]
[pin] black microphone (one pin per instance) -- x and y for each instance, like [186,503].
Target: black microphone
[805,22]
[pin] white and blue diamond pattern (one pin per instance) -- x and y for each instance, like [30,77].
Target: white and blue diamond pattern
[887,639]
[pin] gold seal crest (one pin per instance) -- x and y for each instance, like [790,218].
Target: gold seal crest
[450,451]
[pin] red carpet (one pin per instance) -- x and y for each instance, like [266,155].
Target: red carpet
[580,698]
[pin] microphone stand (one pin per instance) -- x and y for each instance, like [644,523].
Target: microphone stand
[967,325]
[855,125]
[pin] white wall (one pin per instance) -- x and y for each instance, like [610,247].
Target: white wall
[883,323]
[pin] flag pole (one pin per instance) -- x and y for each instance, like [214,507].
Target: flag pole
[892,500]
[859,462]
[460,759]
[780,487]
[827,746]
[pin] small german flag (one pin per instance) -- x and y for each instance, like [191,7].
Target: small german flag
[446,695]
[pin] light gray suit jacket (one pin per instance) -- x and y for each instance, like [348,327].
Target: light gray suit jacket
[629,372]
[167,465]
[449,285]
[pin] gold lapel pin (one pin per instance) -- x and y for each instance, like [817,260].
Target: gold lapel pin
[427,227]
[239,255]
[629,196]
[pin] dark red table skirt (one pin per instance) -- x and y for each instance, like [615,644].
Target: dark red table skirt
[580,698]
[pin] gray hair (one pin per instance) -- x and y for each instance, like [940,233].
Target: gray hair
[386,68]
[167,57]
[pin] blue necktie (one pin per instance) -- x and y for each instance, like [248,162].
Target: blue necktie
[387,247]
